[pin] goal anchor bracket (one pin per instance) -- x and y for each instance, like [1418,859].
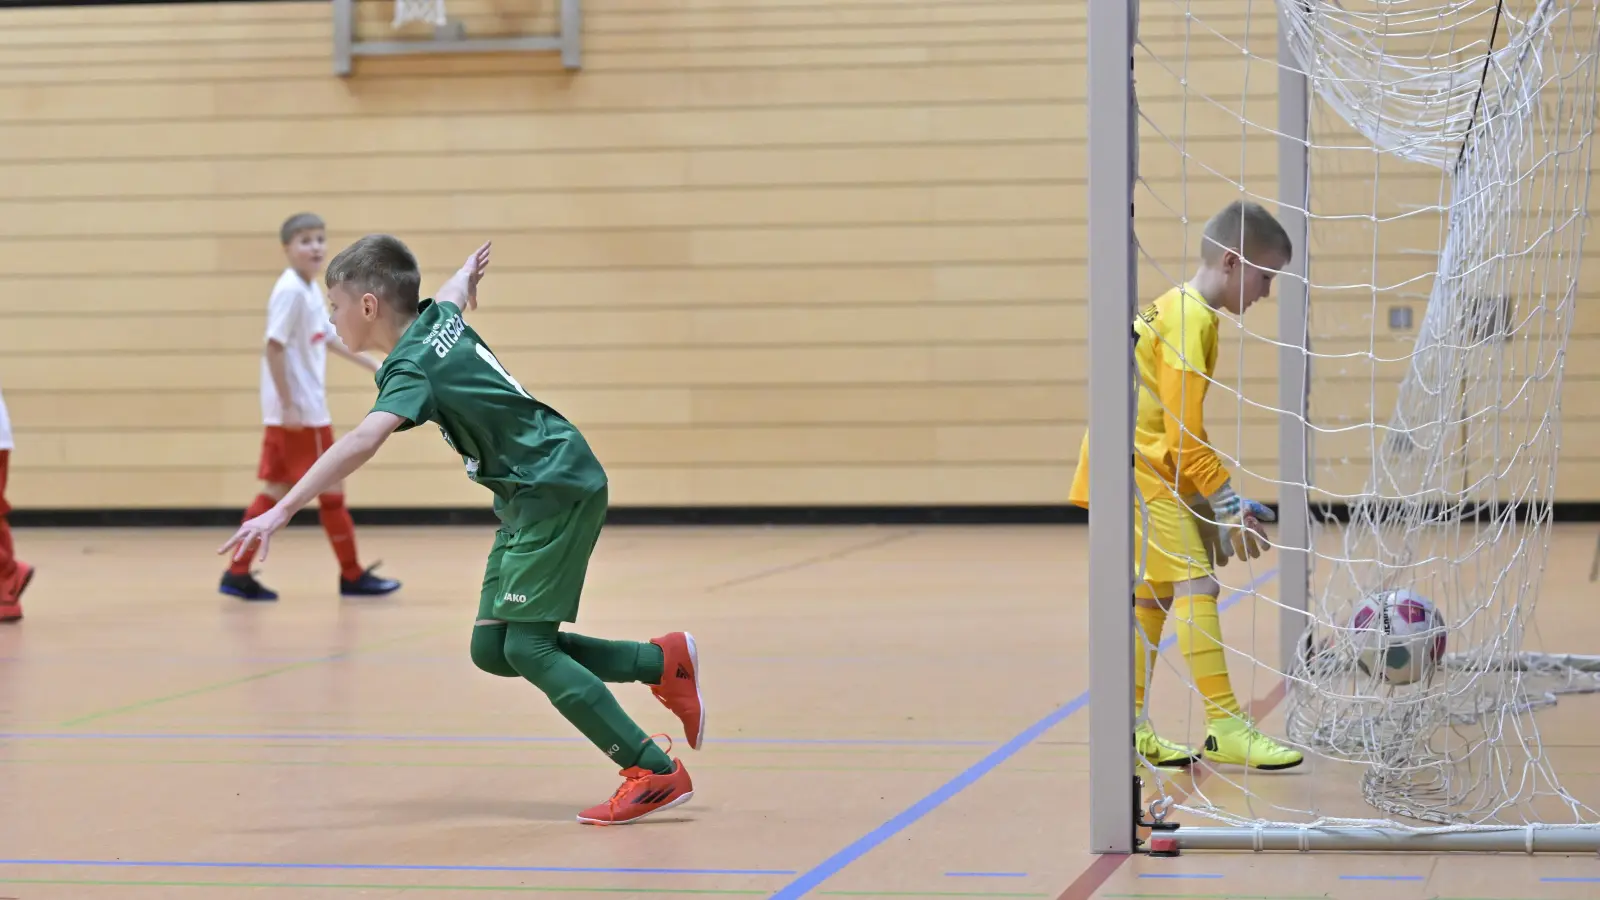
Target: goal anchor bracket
[1160,844]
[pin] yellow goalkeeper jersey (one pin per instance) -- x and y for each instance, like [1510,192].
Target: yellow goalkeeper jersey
[1175,353]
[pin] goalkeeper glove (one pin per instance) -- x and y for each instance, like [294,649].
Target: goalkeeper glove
[1238,521]
[1217,550]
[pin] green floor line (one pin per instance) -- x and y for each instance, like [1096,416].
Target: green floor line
[445,742]
[232,682]
[438,764]
[1151,896]
[932,894]
[523,749]
[305,885]
[489,888]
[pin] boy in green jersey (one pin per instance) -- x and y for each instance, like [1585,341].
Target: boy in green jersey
[550,494]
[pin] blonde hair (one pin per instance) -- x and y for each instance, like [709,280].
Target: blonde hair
[1245,228]
[380,265]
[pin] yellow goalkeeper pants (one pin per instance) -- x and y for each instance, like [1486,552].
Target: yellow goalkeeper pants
[1167,547]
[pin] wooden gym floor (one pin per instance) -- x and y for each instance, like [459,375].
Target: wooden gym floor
[894,712]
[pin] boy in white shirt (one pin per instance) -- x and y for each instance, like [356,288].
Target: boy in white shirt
[294,409]
[14,573]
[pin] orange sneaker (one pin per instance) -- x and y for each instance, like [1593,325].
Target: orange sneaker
[643,792]
[11,595]
[679,690]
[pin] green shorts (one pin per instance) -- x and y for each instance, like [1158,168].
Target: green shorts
[535,574]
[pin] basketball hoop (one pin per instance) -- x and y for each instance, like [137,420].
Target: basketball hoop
[430,11]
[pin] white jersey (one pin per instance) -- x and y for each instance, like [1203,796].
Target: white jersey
[5,425]
[297,318]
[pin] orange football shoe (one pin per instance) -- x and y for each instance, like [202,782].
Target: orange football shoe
[11,594]
[679,690]
[642,793]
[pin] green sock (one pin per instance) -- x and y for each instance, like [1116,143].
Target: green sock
[534,650]
[614,661]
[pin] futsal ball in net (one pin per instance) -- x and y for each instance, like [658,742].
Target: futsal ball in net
[1399,636]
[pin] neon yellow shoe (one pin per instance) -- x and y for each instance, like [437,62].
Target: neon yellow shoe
[1159,751]
[1237,742]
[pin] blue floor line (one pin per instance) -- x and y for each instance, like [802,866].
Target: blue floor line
[862,845]
[178,864]
[449,738]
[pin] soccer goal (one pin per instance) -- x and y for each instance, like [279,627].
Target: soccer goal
[1398,399]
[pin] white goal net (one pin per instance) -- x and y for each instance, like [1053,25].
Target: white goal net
[1448,148]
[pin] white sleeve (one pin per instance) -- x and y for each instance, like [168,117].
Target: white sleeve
[282,312]
[5,426]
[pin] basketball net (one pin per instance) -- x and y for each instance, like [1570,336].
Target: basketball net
[430,11]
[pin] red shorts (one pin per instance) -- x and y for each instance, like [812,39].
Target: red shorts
[287,455]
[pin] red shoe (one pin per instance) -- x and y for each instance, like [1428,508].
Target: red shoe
[11,598]
[643,792]
[679,689]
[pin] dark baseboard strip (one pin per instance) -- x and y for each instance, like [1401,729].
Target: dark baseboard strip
[1064,514]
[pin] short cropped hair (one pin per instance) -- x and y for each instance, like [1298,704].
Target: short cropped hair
[1247,229]
[297,223]
[380,265]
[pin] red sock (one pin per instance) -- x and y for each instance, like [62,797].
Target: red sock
[259,505]
[341,531]
[8,559]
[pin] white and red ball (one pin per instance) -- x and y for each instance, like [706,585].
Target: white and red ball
[1398,635]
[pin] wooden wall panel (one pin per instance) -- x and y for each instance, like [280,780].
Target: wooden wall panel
[817,252]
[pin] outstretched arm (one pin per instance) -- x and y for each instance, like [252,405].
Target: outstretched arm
[346,455]
[461,291]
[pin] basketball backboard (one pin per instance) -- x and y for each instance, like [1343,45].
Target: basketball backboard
[451,34]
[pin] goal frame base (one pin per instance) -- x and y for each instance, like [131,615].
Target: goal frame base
[1528,839]
[1168,839]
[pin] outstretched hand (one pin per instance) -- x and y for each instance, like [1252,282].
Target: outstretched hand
[472,270]
[259,529]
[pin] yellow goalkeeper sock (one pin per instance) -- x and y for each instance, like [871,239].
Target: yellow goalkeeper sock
[1150,619]
[1200,639]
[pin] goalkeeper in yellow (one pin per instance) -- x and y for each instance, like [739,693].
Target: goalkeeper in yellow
[1188,519]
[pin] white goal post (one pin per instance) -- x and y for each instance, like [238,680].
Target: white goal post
[1428,155]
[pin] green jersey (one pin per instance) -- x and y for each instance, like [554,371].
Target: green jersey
[534,461]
